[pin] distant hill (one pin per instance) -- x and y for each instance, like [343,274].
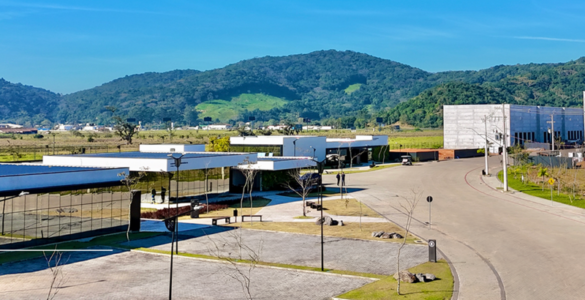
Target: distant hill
[559,85]
[27,105]
[324,85]
[304,82]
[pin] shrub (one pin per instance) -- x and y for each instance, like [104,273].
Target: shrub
[38,136]
[91,139]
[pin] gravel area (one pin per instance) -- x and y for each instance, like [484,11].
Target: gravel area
[136,275]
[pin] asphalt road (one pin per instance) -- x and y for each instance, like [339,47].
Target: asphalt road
[502,245]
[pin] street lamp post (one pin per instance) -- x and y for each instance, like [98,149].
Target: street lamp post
[177,158]
[4,206]
[322,221]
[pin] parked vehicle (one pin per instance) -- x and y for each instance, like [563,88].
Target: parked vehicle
[406,160]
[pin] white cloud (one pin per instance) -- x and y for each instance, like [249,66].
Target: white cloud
[549,39]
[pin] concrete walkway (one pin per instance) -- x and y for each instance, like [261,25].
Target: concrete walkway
[285,209]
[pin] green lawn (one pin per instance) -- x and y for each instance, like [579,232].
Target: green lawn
[536,190]
[352,88]
[225,110]
[434,141]
[439,289]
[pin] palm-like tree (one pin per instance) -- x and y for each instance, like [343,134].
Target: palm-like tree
[543,172]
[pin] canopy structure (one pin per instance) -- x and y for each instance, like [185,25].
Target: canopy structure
[152,162]
[17,178]
[280,163]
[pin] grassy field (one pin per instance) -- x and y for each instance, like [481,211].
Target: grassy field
[441,288]
[226,110]
[348,207]
[430,141]
[350,230]
[352,88]
[537,191]
[27,147]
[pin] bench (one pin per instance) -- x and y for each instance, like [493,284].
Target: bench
[252,216]
[226,219]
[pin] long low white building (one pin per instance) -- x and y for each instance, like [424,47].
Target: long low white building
[16,178]
[151,162]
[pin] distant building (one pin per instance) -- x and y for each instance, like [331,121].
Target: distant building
[63,127]
[20,130]
[464,126]
[217,127]
[8,125]
[276,127]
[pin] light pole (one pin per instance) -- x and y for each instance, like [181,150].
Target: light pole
[4,205]
[322,221]
[177,158]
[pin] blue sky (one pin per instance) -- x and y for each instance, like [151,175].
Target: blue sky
[67,46]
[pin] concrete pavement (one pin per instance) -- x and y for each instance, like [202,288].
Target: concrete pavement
[502,245]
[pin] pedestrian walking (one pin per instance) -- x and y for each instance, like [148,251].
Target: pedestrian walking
[153,194]
[338,177]
[163,192]
[342,179]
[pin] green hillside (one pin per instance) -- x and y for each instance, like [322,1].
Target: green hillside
[352,88]
[231,110]
[342,88]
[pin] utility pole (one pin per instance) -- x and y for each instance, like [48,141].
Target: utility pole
[505,152]
[552,131]
[487,169]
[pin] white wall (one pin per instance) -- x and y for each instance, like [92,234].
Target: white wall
[280,163]
[359,141]
[257,140]
[213,160]
[172,148]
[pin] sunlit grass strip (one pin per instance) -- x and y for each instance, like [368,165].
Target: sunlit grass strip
[441,288]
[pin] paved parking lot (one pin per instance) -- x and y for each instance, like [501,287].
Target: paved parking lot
[298,249]
[137,275]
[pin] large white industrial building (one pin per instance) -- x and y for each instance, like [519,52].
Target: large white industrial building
[466,126]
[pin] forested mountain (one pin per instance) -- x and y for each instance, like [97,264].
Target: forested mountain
[306,81]
[27,105]
[333,87]
[545,85]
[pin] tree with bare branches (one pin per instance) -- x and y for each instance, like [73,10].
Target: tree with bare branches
[408,205]
[130,181]
[56,268]
[301,185]
[241,267]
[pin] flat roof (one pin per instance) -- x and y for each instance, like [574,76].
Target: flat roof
[152,155]
[15,178]
[152,161]
[7,170]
